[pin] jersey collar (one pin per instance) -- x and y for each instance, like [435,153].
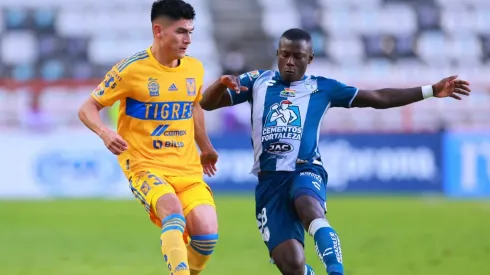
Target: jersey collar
[278,77]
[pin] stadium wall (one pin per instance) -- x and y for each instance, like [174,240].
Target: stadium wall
[76,164]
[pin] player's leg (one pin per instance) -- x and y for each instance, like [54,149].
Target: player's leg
[309,193]
[164,207]
[202,224]
[279,224]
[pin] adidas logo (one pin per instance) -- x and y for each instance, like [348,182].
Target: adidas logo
[172,88]
[181,267]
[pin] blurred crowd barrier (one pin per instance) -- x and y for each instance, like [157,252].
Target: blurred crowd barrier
[54,52]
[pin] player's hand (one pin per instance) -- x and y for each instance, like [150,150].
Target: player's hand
[208,162]
[114,142]
[452,87]
[233,83]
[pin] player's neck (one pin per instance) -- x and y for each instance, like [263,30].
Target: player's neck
[164,59]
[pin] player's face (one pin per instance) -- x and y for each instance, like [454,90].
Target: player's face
[293,58]
[174,37]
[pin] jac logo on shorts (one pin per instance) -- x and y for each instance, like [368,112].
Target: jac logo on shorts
[279,148]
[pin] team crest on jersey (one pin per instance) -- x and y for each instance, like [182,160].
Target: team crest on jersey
[153,87]
[288,92]
[283,121]
[191,86]
[311,85]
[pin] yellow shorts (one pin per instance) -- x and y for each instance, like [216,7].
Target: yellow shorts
[148,186]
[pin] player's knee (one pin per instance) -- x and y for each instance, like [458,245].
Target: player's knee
[202,220]
[289,257]
[309,209]
[168,204]
[200,249]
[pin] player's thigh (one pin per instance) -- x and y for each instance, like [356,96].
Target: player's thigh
[148,187]
[276,218]
[199,208]
[309,192]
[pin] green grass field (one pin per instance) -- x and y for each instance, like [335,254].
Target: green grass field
[378,235]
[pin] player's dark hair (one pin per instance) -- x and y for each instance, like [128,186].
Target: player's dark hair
[173,9]
[296,35]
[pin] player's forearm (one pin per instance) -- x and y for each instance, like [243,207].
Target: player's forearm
[89,114]
[387,97]
[215,96]
[200,135]
[400,97]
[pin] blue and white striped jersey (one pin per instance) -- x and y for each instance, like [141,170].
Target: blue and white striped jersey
[286,117]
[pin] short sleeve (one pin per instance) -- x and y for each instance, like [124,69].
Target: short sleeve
[200,81]
[111,89]
[246,80]
[341,95]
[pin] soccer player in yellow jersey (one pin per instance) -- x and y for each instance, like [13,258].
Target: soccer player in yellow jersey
[159,123]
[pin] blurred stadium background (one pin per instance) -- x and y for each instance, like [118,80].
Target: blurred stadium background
[66,208]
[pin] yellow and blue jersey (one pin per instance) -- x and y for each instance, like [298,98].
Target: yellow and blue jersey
[155,112]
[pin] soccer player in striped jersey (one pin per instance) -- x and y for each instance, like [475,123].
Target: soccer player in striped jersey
[159,123]
[287,110]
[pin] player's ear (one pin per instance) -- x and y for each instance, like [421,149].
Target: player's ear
[157,30]
[277,53]
[312,55]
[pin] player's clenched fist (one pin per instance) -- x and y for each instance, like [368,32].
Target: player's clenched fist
[113,141]
[233,83]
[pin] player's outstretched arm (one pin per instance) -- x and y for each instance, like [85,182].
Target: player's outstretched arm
[209,156]
[216,95]
[389,98]
[89,114]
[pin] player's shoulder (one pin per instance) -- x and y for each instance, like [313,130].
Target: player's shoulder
[256,74]
[132,62]
[193,62]
[325,83]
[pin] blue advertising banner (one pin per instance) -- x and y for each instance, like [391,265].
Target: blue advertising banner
[467,164]
[355,163]
[53,167]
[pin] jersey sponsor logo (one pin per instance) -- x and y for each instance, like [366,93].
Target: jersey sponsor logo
[311,174]
[173,88]
[288,92]
[242,76]
[162,130]
[179,110]
[153,87]
[159,144]
[312,85]
[109,82]
[279,148]
[191,86]
[282,122]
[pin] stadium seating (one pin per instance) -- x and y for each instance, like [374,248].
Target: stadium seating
[56,51]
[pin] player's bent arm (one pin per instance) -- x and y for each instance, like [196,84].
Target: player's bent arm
[200,135]
[387,98]
[215,96]
[89,114]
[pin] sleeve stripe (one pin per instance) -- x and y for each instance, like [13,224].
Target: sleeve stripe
[353,97]
[231,97]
